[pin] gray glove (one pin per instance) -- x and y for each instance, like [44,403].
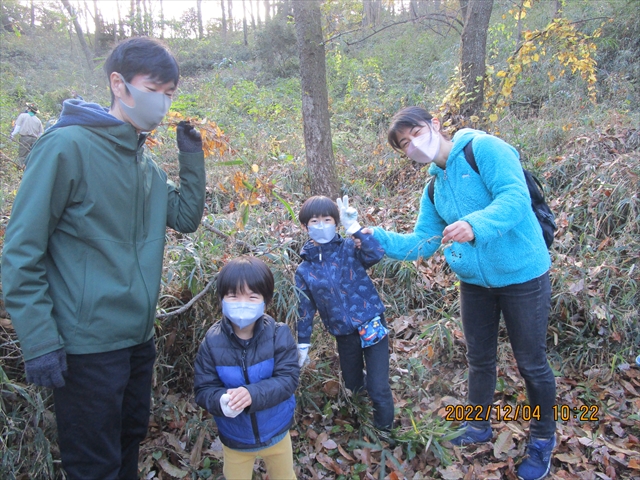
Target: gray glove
[47,369]
[303,354]
[226,409]
[189,139]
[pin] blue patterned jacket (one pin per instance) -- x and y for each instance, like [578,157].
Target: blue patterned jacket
[333,280]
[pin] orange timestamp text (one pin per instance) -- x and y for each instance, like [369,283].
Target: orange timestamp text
[503,413]
[584,413]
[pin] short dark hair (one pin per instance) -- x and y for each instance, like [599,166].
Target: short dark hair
[408,117]
[142,55]
[249,271]
[318,206]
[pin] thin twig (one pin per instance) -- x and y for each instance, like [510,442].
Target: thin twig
[6,157]
[229,237]
[187,306]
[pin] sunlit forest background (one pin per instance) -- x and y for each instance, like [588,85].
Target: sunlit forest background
[561,83]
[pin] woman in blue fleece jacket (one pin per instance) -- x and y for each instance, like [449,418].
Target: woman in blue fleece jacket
[493,242]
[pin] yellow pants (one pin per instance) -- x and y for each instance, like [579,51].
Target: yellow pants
[238,465]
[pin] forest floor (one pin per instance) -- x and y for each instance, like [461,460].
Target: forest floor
[598,428]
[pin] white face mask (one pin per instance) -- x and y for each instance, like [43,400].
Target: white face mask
[149,109]
[322,232]
[425,148]
[242,313]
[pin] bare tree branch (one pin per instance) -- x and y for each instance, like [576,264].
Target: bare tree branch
[446,19]
[187,306]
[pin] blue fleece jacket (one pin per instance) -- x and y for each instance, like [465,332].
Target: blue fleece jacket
[333,281]
[508,247]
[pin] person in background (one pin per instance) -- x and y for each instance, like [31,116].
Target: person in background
[83,254]
[246,374]
[493,242]
[29,128]
[333,281]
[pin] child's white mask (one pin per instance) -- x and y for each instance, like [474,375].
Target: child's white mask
[242,313]
[322,232]
[425,148]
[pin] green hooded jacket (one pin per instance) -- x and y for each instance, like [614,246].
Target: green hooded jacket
[83,253]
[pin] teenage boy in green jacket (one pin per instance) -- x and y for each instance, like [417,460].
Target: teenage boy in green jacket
[83,253]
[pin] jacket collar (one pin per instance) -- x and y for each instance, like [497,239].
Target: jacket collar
[310,251]
[227,328]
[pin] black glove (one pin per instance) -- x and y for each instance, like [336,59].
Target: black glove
[189,139]
[47,369]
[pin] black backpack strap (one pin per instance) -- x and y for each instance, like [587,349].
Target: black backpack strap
[430,189]
[470,157]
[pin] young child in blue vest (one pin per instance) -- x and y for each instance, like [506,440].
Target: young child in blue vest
[333,281]
[246,373]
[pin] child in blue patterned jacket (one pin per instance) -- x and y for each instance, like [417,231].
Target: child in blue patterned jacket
[333,281]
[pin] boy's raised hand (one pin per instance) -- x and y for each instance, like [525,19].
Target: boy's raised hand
[348,215]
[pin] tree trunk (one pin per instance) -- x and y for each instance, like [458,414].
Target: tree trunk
[85,14]
[32,12]
[413,8]
[315,99]
[132,18]
[161,20]
[267,11]
[224,20]
[200,28]
[473,52]
[230,14]
[98,29]
[139,28]
[370,12]
[148,18]
[253,18]
[244,23]
[120,24]
[76,24]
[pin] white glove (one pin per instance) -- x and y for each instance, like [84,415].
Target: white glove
[348,216]
[303,354]
[226,409]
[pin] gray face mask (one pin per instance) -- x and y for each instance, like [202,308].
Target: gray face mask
[322,232]
[149,109]
[242,313]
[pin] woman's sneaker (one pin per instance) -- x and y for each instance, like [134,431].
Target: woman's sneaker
[537,463]
[471,435]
